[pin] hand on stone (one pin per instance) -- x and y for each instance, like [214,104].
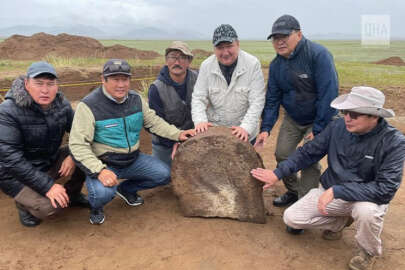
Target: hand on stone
[240,133]
[202,127]
[266,176]
[185,134]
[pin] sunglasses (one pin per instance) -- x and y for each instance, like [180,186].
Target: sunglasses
[123,67]
[353,115]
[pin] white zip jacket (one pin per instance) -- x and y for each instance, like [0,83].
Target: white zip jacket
[239,104]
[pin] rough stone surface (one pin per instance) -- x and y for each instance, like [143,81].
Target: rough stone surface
[211,177]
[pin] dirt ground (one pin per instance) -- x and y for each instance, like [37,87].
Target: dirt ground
[157,236]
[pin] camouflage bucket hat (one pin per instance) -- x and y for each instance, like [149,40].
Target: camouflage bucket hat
[224,33]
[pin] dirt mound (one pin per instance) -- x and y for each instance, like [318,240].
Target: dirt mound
[393,61]
[37,46]
[199,53]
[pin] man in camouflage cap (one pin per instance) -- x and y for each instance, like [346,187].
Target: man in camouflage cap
[170,96]
[230,88]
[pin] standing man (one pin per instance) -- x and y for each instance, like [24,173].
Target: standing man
[33,120]
[365,164]
[105,141]
[170,96]
[303,79]
[230,88]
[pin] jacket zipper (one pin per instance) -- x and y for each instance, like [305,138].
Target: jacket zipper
[126,135]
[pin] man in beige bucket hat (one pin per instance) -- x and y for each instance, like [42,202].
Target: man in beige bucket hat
[365,163]
[170,95]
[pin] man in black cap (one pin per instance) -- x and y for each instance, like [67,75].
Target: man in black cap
[230,88]
[303,79]
[33,120]
[104,141]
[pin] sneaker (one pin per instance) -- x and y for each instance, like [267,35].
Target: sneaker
[285,199]
[79,200]
[97,216]
[330,235]
[362,261]
[293,231]
[130,199]
[26,218]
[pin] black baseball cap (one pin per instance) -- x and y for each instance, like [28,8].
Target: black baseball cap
[224,33]
[284,26]
[116,66]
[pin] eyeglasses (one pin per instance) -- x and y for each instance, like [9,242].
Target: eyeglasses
[180,58]
[123,67]
[282,38]
[353,115]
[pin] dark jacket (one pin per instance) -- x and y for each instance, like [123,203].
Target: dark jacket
[305,84]
[29,139]
[360,167]
[174,107]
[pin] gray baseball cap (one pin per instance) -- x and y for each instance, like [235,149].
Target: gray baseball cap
[179,46]
[116,66]
[42,67]
[284,26]
[224,33]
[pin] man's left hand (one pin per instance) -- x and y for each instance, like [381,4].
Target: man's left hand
[324,200]
[175,146]
[310,136]
[185,134]
[68,167]
[240,133]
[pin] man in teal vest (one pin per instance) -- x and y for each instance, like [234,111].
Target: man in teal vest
[104,141]
[170,96]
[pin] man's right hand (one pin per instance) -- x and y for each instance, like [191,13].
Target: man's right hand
[202,127]
[57,194]
[266,176]
[261,139]
[108,178]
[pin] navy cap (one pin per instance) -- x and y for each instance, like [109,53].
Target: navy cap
[224,33]
[116,66]
[284,26]
[42,67]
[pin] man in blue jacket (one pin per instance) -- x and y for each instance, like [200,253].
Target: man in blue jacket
[365,164]
[303,79]
[170,96]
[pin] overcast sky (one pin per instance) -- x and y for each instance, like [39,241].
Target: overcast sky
[250,18]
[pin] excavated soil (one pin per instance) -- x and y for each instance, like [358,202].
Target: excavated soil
[199,53]
[157,236]
[392,61]
[38,46]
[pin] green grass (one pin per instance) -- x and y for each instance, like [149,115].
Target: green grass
[353,62]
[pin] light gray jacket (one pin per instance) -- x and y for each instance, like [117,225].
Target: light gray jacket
[239,104]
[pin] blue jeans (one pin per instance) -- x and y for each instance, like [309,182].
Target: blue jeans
[163,153]
[144,173]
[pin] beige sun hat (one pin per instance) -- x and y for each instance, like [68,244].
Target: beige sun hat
[363,99]
[179,46]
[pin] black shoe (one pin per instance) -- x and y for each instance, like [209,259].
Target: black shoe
[293,231]
[130,199]
[97,216]
[26,218]
[79,200]
[285,199]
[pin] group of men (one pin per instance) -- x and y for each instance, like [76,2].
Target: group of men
[365,154]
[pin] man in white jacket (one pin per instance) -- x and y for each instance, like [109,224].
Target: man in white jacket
[230,88]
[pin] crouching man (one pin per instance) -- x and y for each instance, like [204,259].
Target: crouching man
[33,119]
[105,141]
[365,163]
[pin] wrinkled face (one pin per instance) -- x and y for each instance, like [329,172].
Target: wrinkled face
[117,86]
[358,123]
[42,90]
[177,62]
[284,45]
[227,52]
